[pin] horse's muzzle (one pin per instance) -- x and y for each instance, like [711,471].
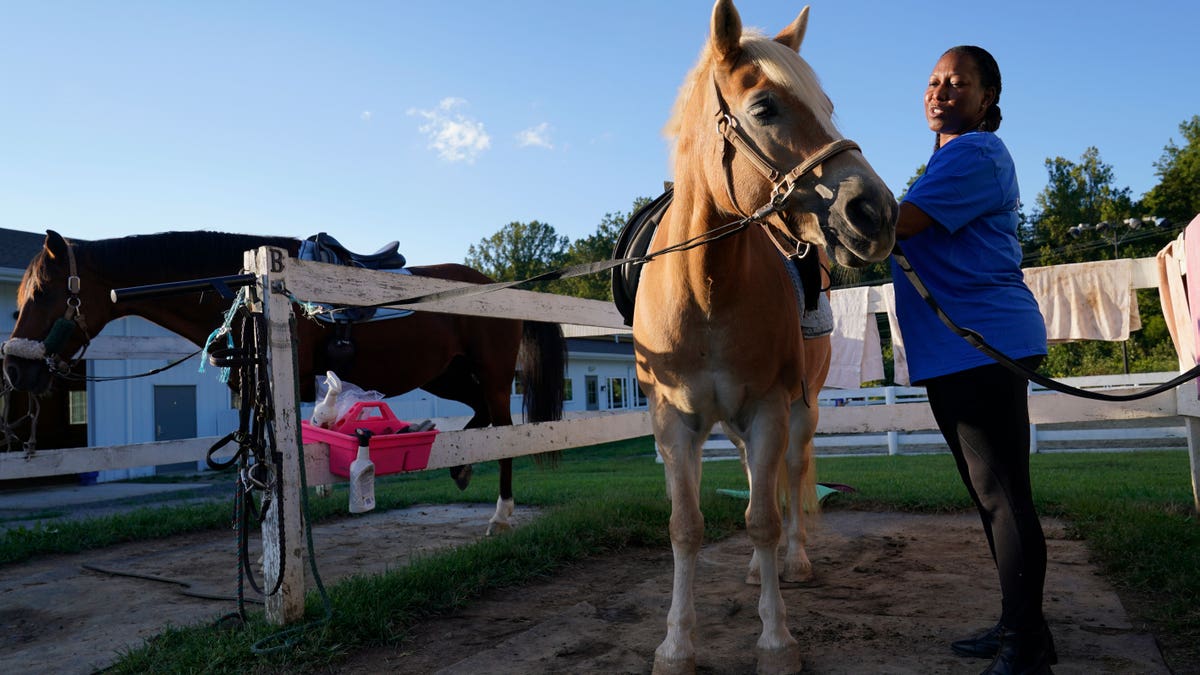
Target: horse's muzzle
[863,220]
[26,374]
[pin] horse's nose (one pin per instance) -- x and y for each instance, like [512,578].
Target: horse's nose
[869,209]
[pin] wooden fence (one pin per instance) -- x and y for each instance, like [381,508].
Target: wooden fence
[281,277]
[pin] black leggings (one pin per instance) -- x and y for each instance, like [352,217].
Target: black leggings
[983,413]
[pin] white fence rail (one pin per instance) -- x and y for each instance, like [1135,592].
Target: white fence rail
[892,413]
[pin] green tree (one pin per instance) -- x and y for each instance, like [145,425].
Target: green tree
[1177,195]
[518,251]
[1074,194]
[596,247]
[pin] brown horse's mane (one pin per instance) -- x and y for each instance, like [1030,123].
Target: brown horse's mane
[172,254]
[162,255]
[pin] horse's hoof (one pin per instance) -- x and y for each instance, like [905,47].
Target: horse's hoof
[663,666]
[796,574]
[462,476]
[497,528]
[780,661]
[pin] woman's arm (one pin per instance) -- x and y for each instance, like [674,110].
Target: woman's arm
[911,221]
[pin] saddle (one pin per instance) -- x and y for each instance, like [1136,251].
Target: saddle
[324,248]
[340,349]
[634,241]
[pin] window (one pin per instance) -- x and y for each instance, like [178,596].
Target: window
[518,387]
[616,392]
[568,390]
[77,407]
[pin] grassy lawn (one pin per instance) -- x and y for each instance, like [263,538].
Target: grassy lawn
[1133,510]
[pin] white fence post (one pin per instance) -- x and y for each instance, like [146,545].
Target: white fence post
[893,437]
[283,529]
[1033,428]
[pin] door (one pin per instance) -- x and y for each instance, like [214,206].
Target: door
[591,386]
[175,418]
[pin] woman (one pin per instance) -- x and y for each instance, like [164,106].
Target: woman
[958,226]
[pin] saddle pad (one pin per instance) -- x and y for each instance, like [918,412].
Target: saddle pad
[634,241]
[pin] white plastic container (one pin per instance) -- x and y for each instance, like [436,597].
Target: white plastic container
[362,475]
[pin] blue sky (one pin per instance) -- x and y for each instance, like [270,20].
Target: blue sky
[437,123]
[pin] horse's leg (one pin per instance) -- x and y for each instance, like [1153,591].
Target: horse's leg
[681,443]
[799,481]
[504,503]
[801,476]
[766,442]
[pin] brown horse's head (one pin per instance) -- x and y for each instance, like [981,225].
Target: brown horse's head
[54,307]
[775,140]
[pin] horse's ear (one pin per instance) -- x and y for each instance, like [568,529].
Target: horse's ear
[726,31]
[56,246]
[793,35]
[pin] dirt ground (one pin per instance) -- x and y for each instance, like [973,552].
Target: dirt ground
[891,591]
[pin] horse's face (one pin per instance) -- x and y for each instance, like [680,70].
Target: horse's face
[792,151]
[49,325]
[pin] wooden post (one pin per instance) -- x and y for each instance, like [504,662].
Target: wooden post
[286,606]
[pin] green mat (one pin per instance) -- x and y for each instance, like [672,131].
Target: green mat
[823,492]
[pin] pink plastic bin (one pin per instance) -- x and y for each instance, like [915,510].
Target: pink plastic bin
[391,451]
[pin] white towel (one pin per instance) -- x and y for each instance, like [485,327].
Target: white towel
[1086,301]
[1173,295]
[899,356]
[856,355]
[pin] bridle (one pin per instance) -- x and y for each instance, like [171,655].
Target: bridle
[783,183]
[64,327]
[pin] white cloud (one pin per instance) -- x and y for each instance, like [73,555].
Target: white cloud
[538,137]
[455,137]
[365,116]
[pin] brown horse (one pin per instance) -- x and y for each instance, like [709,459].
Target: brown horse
[463,358]
[716,328]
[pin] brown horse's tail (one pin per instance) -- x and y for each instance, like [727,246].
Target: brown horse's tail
[542,366]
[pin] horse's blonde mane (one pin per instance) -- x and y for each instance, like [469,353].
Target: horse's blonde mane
[777,62]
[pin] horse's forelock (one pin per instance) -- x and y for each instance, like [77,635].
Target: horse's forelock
[788,69]
[777,62]
[35,278]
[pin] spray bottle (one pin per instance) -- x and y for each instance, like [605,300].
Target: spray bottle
[362,475]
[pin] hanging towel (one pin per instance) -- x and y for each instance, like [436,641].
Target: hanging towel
[1172,293]
[899,356]
[1191,247]
[1086,301]
[856,354]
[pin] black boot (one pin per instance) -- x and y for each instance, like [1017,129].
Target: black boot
[987,644]
[982,646]
[1023,653]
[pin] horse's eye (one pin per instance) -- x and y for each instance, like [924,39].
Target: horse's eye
[762,109]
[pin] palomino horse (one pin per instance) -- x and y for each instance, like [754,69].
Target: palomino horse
[463,358]
[716,328]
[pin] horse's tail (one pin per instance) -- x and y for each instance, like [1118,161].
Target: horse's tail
[542,366]
[810,503]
